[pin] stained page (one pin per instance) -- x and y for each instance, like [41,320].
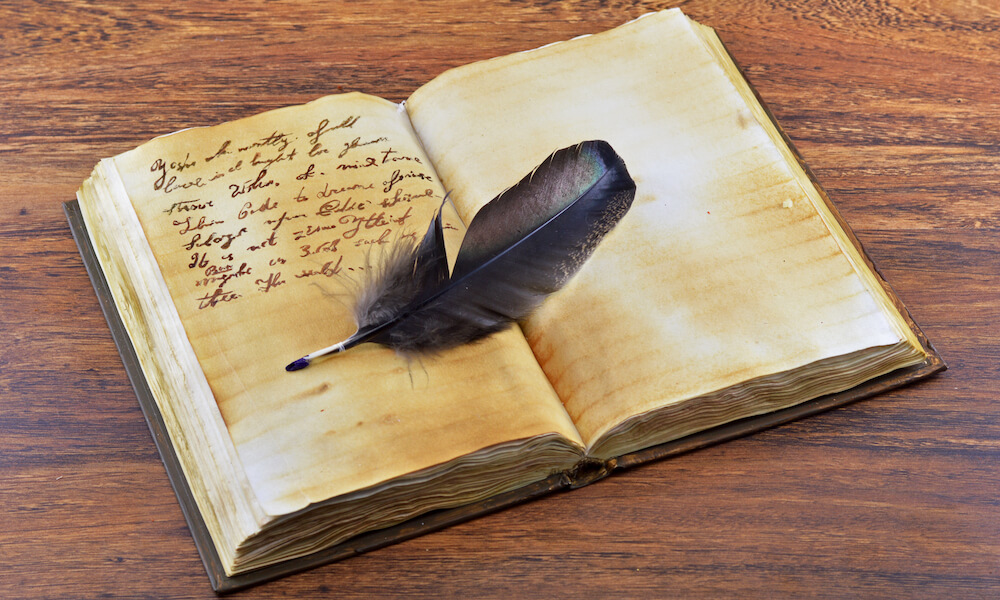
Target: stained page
[262,229]
[724,270]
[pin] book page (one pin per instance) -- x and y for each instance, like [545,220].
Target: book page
[723,271]
[262,229]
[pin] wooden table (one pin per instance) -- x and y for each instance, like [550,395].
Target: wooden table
[892,103]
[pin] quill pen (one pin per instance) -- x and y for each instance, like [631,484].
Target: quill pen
[520,247]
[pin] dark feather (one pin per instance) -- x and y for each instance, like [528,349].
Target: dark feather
[406,274]
[522,246]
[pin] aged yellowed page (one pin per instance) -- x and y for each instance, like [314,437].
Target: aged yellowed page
[261,228]
[725,270]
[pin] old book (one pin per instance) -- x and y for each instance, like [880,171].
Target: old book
[731,297]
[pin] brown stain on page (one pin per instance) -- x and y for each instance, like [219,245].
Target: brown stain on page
[316,391]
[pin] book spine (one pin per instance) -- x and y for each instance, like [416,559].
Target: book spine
[588,471]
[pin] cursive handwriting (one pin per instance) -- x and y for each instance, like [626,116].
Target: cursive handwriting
[383,238]
[329,269]
[223,239]
[309,172]
[222,275]
[367,162]
[391,155]
[248,208]
[357,222]
[309,249]
[357,143]
[311,230]
[276,139]
[400,196]
[244,178]
[397,177]
[325,128]
[273,280]
[188,205]
[282,219]
[186,226]
[220,152]
[251,185]
[214,298]
[327,191]
[257,160]
[315,147]
[270,242]
[167,182]
[338,206]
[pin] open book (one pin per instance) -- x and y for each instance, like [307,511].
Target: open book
[731,289]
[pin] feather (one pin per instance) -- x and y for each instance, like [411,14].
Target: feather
[522,246]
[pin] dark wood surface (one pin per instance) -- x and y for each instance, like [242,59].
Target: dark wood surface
[892,103]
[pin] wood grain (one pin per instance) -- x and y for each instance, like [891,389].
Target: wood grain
[891,102]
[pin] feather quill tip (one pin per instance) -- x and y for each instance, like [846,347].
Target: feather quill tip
[298,364]
[306,360]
